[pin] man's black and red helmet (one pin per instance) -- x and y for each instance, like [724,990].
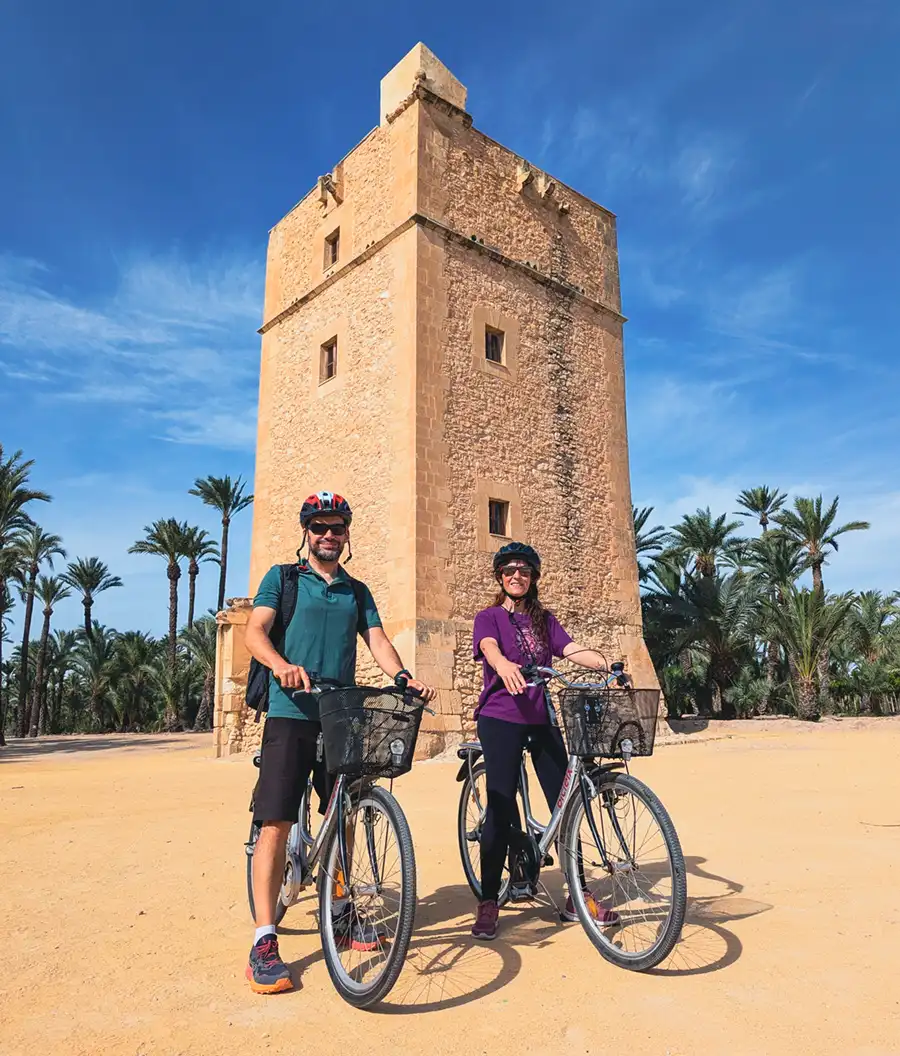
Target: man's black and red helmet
[325,502]
[517,552]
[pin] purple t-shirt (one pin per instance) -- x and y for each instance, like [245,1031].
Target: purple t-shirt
[495,701]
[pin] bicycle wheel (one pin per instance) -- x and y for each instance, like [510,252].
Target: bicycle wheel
[366,918]
[250,847]
[630,860]
[469,822]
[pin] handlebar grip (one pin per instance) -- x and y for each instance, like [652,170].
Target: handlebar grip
[529,670]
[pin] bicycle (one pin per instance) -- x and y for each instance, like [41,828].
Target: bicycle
[361,860]
[596,825]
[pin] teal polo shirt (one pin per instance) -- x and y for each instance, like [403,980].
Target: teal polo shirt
[321,637]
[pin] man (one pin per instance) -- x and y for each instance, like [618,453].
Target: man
[321,637]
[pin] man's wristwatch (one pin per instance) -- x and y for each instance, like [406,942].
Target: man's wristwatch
[402,674]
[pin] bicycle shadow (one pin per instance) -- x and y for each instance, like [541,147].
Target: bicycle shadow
[446,967]
[706,945]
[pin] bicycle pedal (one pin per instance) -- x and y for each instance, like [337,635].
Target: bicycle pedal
[521,892]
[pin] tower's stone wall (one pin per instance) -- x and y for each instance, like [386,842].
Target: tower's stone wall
[442,233]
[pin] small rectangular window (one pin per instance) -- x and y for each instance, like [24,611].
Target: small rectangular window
[328,361]
[332,248]
[493,344]
[498,517]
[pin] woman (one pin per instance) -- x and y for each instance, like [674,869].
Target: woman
[514,631]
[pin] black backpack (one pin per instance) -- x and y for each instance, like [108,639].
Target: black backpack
[257,696]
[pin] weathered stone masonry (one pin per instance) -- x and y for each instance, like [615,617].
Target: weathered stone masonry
[442,233]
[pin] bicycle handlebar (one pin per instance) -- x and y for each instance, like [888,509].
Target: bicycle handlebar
[543,675]
[318,684]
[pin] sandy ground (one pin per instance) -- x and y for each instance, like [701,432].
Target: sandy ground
[126,927]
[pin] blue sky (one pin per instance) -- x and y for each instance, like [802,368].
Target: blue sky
[751,152]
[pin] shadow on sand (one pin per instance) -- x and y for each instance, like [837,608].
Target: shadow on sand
[21,749]
[446,967]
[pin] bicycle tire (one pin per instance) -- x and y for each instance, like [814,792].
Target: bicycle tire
[365,996]
[672,930]
[471,868]
[280,907]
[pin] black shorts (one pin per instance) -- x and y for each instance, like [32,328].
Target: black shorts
[288,758]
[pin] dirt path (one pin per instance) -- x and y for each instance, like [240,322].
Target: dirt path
[126,929]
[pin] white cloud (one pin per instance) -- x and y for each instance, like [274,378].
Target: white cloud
[176,341]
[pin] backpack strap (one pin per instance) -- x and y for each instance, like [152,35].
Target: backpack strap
[359,592]
[287,604]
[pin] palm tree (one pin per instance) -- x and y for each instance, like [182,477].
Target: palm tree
[719,617]
[132,681]
[95,665]
[63,646]
[806,623]
[871,633]
[50,590]
[15,495]
[7,669]
[167,539]
[172,685]
[198,547]
[650,542]
[872,620]
[704,539]
[34,546]
[761,502]
[201,644]
[228,498]
[776,562]
[90,577]
[7,561]
[814,530]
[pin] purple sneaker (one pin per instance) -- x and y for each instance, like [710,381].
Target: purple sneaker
[485,926]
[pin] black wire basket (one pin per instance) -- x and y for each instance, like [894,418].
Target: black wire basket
[609,723]
[369,732]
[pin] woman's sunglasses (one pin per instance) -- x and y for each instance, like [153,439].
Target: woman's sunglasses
[510,570]
[318,528]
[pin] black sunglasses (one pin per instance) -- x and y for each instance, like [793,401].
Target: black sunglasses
[510,570]
[318,528]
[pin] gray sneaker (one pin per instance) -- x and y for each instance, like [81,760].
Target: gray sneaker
[352,930]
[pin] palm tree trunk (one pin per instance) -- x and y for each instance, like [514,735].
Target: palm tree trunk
[807,702]
[824,659]
[223,565]
[39,675]
[44,717]
[192,589]
[174,573]
[3,696]
[56,704]
[26,632]
[202,722]
[771,672]
[87,602]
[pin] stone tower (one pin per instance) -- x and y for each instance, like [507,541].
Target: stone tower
[442,344]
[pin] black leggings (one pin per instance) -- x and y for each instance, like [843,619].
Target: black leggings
[503,743]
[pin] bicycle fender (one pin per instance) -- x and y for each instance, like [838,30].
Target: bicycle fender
[464,769]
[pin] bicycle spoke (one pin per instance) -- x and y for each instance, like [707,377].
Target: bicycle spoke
[373,888]
[637,881]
